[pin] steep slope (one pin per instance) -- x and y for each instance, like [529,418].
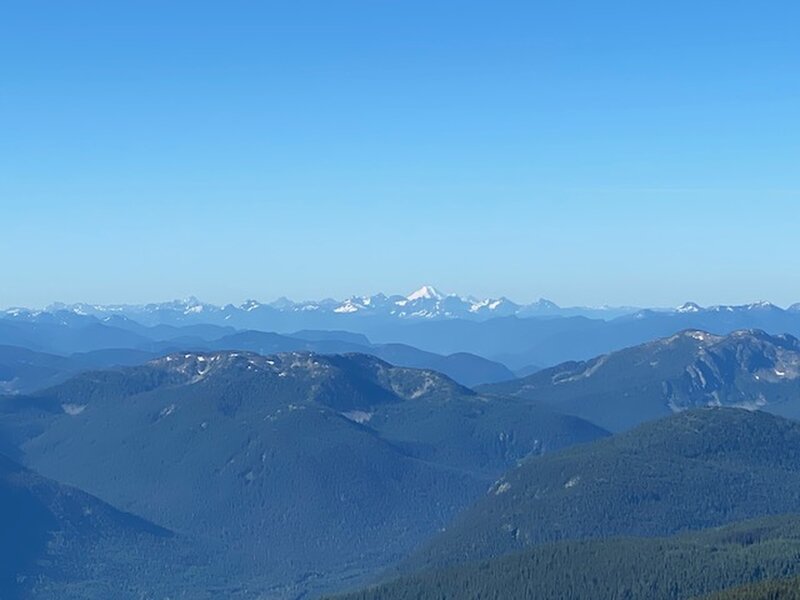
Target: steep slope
[672,568]
[693,368]
[697,469]
[59,542]
[343,463]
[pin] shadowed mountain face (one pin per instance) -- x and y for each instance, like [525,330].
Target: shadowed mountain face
[748,369]
[341,463]
[696,469]
[59,542]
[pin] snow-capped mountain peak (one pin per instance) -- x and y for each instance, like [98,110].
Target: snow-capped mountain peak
[689,307]
[426,292]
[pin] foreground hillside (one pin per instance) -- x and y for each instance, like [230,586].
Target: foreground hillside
[672,568]
[697,469]
[692,369]
[293,469]
[59,542]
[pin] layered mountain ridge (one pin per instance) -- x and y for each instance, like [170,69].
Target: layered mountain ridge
[35,354]
[746,369]
[297,470]
[521,339]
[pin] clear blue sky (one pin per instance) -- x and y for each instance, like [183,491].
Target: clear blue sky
[589,152]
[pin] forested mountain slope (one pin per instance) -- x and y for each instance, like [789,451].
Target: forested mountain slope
[671,568]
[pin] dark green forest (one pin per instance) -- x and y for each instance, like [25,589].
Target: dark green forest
[672,568]
[784,589]
[694,470]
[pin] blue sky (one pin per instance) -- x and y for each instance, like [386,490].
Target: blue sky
[590,152]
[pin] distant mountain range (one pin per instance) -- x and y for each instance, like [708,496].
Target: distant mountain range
[425,303]
[523,338]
